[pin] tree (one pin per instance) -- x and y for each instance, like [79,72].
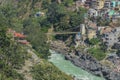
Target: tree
[4,40]
[76,18]
[37,38]
[64,23]
[55,12]
[11,56]
[45,3]
[68,2]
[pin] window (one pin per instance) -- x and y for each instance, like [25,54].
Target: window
[106,35]
[107,38]
[111,4]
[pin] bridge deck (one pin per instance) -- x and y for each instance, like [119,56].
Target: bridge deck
[55,33]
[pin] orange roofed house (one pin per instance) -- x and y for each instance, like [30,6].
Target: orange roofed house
[18,36]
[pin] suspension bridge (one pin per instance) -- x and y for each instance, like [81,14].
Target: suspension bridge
[57,33]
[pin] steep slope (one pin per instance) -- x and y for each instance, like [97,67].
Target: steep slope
[18,61]
[29,63]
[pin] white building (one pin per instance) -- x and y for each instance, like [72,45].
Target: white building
[92,12]
[83,1]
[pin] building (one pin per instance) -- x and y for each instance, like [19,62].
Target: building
[87,3]
[38,14]
[83,1]
[92,12]
[91,34]
[105,30]
[107,4]
[92,25]
[18,37]
[100,4]
[112,4]
[115,18]
[111,38]
[79,3]
[95,4]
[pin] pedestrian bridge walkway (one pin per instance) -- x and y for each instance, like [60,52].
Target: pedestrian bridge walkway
[56,33]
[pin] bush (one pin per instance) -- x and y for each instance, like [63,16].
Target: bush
[97,53]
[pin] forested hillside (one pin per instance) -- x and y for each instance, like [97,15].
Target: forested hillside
[33,18]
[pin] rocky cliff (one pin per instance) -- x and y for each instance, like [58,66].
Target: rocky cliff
[86,62]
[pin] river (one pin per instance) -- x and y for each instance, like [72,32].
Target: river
[67,67]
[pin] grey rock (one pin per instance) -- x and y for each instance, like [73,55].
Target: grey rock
[87,62]
[114,76]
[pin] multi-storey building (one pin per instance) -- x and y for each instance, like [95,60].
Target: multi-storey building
[95,4]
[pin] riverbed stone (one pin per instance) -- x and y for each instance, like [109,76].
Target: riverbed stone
[88,63]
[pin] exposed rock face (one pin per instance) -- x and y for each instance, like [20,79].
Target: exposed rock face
[88,63]
[116,46]
[59,47]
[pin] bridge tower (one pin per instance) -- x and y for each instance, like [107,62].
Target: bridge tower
[82,29]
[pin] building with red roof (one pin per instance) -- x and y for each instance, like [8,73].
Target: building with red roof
[19,35]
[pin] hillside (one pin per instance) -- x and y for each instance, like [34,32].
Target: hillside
[26,60]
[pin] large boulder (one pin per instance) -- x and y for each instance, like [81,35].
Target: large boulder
[116,46]
[68,57]
[78,53]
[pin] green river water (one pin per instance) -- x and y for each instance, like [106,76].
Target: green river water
[67,67]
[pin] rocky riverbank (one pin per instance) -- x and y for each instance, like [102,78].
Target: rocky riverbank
[59,47]
[86,62]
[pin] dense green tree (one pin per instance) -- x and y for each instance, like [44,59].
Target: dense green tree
[12,56]
[4,40]
[68,2]
[64,23]
[46,3]
[75,20]
[77,17]
[37,37]
[54,13]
